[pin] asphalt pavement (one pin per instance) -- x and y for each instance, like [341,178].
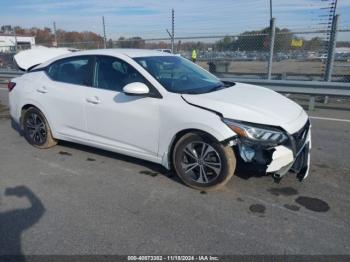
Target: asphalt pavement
[73,199]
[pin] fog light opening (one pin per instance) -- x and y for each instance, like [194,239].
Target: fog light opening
[247,153]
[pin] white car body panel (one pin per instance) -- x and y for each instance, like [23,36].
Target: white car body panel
[176,115]
[253,104]
[283,156]
[134,119]
[70,119]
[145,127]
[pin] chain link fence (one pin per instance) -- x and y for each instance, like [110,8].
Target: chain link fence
[6,58]
[341,66]
[298,55]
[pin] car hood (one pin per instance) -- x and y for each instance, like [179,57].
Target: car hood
[253,104]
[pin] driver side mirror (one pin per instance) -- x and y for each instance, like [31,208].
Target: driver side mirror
[136,88]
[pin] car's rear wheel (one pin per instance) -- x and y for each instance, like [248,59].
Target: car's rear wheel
[36,129]
[202,162]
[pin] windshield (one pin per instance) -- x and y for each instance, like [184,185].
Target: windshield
[179,75]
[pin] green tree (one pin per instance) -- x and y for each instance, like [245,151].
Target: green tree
[225,44]
[258,40]
[314,44]
[132,42]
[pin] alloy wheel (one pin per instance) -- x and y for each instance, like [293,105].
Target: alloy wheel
[36,128]
[201,162]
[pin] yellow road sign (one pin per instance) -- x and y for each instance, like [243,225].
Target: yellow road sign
[297,43]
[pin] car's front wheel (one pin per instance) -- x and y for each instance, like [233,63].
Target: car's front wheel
[36,129]
[202,162]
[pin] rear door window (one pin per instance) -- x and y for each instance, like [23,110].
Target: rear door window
[75,70]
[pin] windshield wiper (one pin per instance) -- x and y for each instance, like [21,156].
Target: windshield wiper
[228,83]
[191,92]
[218,87]
[222,85]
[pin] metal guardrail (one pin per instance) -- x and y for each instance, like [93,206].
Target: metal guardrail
[287,76]
[299,87]
[311,88]
[8,74]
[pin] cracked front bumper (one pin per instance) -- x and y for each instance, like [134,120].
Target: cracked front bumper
[286,159]
[293,155]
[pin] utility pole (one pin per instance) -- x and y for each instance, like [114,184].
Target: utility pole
[172,34]
[172,29]
[15,34]
[332,43]
[331,49]
[272,42]
[272,45]
[104,32]
[331,46]
[55,34]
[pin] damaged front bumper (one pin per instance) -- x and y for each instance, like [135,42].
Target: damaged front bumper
[294,155]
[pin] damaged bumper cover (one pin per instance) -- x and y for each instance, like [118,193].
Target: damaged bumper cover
[293,155]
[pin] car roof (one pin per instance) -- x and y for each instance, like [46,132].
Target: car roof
[125,51]
[110,52]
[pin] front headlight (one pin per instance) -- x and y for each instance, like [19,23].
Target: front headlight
[254,132]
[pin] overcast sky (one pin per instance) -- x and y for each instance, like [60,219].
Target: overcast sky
[150,18]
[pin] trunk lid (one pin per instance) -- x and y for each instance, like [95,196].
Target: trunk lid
[30,58]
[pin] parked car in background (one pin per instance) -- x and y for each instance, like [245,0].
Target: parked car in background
[161,108]
[164,50]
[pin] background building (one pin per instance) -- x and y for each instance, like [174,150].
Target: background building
[8,43]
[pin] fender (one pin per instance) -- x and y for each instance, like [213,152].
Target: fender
[42,110]
[165,147]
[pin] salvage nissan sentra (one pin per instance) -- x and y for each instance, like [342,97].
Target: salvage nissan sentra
[158,107]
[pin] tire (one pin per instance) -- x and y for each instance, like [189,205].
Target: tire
[203,163]
[36,129]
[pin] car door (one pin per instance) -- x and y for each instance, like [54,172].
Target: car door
[64,94]
[128,124]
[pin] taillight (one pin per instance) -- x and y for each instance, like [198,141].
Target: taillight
[10,86]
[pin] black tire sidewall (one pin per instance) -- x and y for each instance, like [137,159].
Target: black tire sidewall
[177,154]
[25,129]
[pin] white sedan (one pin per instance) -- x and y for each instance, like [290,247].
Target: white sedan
[158,107]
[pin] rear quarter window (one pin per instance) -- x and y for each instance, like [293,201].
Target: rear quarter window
[74,70]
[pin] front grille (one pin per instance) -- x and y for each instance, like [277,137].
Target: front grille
[300,137]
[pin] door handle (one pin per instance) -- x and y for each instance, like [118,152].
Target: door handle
[42,90]
[93,100]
